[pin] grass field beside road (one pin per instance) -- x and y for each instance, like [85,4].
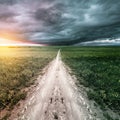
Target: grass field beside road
[18,68]
[97,68]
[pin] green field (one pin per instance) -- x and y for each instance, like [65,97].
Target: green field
[97,68]
[19,66]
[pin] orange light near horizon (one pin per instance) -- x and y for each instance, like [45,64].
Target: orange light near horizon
[10,35]
[8,38]
[7,42]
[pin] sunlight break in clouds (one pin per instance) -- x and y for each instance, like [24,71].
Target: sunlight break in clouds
[7,42]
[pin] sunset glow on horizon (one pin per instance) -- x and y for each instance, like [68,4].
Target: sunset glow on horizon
[7,42]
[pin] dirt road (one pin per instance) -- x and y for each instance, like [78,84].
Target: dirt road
[56,97]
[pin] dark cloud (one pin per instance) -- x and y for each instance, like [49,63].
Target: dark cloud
[7,16]
[8,2]
[62,20]
[49,16]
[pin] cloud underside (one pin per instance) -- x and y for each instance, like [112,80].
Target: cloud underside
[61,21]
[102,42]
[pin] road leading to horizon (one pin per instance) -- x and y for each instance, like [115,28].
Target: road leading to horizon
[56,97]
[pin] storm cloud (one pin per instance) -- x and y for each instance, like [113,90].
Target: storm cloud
[61,21]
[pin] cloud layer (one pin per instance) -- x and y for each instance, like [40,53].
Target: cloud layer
[61,21]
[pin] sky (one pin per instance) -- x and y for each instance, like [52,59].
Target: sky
[62,22]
